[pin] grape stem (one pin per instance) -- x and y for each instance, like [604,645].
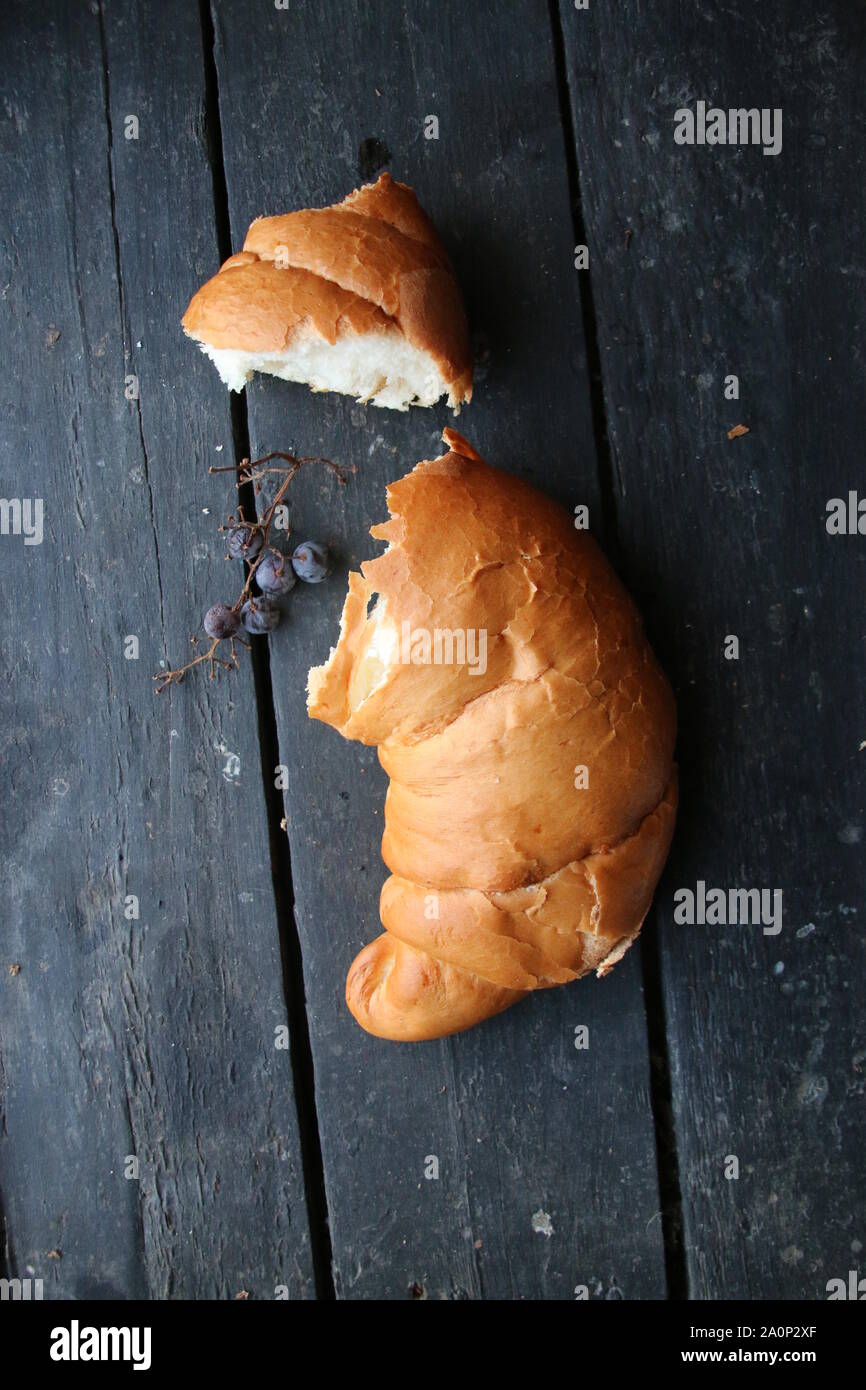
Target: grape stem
[249,471]
[166,678]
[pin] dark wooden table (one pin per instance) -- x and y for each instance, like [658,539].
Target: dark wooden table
[149,1045]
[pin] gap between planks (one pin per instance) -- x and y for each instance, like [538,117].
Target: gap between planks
[280,857]
[670,1194]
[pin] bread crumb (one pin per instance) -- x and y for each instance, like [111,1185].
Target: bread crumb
[15,969]
[542,1224]
[737,431]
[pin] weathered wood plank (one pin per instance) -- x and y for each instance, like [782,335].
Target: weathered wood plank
[152,1037]
[522,1123]
[740,263]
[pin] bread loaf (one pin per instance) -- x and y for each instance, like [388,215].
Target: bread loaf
[532,794]
[359,298]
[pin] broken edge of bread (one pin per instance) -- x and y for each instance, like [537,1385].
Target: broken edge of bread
[359,298]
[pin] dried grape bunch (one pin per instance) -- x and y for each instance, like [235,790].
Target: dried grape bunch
[270,571]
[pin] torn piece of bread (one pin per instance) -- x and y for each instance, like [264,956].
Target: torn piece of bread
[533,792]
[359,298]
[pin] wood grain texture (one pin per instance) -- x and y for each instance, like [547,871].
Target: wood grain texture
[523,1125]
[742,263]
[152,1037]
